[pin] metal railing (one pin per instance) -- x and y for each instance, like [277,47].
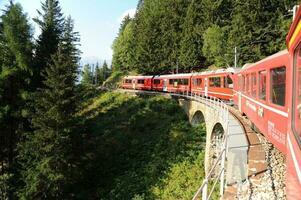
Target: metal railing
[221,109]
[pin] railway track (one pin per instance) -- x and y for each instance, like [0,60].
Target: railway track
[266,168]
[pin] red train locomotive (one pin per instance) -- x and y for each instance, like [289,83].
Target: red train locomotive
[268,92]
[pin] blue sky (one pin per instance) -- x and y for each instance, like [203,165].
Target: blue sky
[97,21]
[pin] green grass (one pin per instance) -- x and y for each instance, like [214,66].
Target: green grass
[139,148]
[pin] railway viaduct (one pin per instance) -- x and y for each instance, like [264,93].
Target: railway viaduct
[219,124]
[233,150]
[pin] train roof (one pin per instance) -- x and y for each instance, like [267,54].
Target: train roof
[173,75]
[218,71]
[250,65]
[139,76]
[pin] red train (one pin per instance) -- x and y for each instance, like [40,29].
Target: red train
[268,92]
[215,83]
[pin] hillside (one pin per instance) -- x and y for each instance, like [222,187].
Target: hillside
[139,148]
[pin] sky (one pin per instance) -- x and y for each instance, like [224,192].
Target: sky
[97,21]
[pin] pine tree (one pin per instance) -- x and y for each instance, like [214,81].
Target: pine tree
[97,75]
[105,70]
[123,46]
[51,24]
[191,42]
[49,151]
[214,47]
[150,43]
[87,75]
[15,74]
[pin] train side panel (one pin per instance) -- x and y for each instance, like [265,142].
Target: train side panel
[218,85]
[261,94]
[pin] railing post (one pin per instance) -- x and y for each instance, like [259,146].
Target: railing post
[204,190]
[222,178]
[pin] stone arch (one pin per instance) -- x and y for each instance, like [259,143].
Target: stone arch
[198,118]
[216,145]
[217,131]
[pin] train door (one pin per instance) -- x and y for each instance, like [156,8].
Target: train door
[165,85]
[206,86]
[134,84]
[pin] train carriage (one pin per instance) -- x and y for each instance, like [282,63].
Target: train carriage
[261,94]
[217,83]
[137,82]
[128,82]
[178,83]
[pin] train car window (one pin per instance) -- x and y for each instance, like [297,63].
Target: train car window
[184,81]
[228,83]
[197,82]
[262,85]
[247,86]
[140,81]
[156,81]
[241,83]
[128,80]
[174,82]
[194,82]
[278,78]
[215,82]
[254,84]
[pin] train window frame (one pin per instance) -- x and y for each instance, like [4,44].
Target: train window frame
[174,82]
[260,97]
[156,81]
[271,87]
[215,84]
[140,81]
[243,87]
[297,135]
[197,82]
[226,82]
[253,86]
[247,85]
[128,81]
[193,81]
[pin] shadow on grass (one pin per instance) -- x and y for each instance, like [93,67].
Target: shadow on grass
[130,145]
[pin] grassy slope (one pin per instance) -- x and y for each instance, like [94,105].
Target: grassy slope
[139,148]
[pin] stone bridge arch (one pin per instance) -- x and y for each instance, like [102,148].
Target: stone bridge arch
[197,118]
[215,132]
